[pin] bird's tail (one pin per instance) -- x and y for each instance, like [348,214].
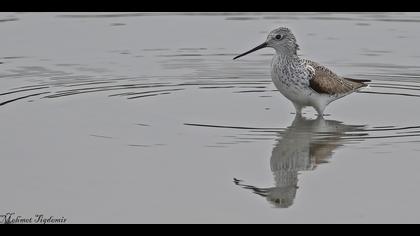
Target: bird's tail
[362,82]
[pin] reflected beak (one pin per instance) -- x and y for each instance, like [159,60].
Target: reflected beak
[264,45]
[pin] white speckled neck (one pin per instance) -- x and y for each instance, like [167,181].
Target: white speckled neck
[287,59]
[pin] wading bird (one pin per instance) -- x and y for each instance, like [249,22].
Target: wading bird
[304,82]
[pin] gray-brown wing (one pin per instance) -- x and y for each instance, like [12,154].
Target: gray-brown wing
[324,81]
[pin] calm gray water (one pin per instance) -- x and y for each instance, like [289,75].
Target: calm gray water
[145,118]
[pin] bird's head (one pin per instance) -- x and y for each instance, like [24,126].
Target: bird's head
[281,39]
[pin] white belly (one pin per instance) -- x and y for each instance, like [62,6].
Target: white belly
[299,92]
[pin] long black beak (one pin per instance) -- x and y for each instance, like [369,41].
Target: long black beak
[252,50]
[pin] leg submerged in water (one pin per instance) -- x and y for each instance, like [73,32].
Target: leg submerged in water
[298,109]
[320,110]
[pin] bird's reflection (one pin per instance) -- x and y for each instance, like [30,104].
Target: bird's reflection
[302,146]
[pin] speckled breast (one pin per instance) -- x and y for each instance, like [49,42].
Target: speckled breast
[293,83]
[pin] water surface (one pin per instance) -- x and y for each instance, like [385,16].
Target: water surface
[144,117]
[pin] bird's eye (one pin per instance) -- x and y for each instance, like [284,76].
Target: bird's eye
[278,36]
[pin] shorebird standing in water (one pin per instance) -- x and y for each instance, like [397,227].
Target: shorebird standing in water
[304,82]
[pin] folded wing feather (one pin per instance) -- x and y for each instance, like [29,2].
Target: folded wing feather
[324,81]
